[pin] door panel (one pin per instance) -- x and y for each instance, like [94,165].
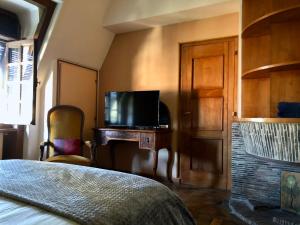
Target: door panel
[206,73]
[209,157]
[208,114]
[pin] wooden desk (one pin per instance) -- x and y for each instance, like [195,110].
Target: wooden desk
[5,135]
[152,140]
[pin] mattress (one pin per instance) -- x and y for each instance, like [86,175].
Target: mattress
[15,212]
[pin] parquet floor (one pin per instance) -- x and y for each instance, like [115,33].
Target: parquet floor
[208,206]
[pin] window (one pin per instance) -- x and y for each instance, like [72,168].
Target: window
[17,88]
[18,67]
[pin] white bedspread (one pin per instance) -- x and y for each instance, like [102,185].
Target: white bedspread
[13,212]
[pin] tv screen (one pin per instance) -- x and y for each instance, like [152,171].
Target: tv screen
[132,109]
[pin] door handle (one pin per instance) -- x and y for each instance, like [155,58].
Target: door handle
[186,113]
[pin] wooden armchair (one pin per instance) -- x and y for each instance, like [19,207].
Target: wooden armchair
[65,143]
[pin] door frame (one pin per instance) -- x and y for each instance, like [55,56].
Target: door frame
[230,113]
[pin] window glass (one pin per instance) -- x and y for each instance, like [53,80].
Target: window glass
[17,92]
[14,55]
[27,53]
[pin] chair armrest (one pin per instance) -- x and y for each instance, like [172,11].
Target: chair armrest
[89,144]
[92,147]
[42,148]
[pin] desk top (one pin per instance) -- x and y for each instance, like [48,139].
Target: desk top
[8,130]
[135,130]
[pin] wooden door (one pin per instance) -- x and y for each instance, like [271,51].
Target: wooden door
[207,101]
[77,85]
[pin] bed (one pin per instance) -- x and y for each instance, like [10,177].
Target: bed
[34,192]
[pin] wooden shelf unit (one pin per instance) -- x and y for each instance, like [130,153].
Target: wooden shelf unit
[268,120]
[270,57]
[262,24]
[264,71]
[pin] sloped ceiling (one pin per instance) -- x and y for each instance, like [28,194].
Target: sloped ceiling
[129,15]
[77,35]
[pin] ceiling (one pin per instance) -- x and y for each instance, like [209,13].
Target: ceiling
[130,15]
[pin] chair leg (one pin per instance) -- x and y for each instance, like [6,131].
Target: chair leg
[42,147]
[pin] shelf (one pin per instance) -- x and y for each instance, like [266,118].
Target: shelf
[263,71]
[261,25]
[268,120]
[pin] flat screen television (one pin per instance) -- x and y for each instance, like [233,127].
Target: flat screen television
[132,109]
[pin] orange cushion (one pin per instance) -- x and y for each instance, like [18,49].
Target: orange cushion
[71,159]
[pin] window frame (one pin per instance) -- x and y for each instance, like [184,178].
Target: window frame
[49,7]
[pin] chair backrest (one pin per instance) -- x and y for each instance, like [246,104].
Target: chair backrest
[64,122]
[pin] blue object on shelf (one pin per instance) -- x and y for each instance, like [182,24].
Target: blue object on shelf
[289,109]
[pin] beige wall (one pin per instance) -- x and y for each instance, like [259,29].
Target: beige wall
[147,60]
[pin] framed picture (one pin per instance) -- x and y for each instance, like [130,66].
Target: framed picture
[290,191]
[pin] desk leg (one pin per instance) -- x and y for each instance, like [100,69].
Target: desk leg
[169,164]
[155,161]
[1,145]
[112,155]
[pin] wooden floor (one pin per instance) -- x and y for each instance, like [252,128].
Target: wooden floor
[207,206]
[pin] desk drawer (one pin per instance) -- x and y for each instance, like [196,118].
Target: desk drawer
[147,141]
[104,137]
[130,136]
